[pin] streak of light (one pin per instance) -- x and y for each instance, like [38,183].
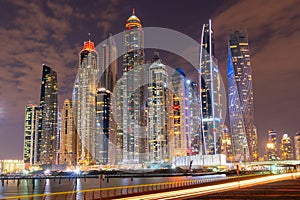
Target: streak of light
[194,192]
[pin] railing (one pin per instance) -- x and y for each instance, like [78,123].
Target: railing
[103,193]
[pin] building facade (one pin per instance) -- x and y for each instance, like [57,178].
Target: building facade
[132,144]
[241,110]
[179,137]
[210,95]
[32,113]
[195,119]
[271,149]
[68,137]
[104,151]
[158,106]
[297,146]
[286,148]
[84,103]
[47,138]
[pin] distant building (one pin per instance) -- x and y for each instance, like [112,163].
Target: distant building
[210,97]
[68,137]
[240,96]
[271,146]
[286,148]
[226,147]
[32,113]
[47,136]
[11,166]
[297,146]
[84,103]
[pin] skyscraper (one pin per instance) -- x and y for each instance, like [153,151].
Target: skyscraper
[47,138]
[105,123]
[84,102]
[297,146]
[31,133]
[243,131]
[158,107]
[68,137]
[210,96]
[286,148]
[104,129]
[195,119]
[179,136]
[133,135]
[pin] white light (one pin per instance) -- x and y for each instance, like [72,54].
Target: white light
[188,81]
[47,172]
[77,171]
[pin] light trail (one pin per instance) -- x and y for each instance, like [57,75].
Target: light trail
[194,192]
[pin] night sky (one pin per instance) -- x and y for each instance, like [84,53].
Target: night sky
[52,32]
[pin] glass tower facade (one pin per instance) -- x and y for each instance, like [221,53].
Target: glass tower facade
[31,133]
[68,137]
[179,116]
[84,102]
[158,106]
[243,131]
[210,96]
[47,138]
[132,140]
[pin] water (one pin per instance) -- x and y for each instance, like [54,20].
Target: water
[45,186]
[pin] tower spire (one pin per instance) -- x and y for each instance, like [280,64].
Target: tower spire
[133,11]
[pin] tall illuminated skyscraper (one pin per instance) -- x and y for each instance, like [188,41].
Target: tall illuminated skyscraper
[179,137]
[243,131]
[132,140]
[68,137]
[84,102]
[48,117]
[105,123]
[210,86]
[195,119]
[31,133]
[104,130]
[158,106]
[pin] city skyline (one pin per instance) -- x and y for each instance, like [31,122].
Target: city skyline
[65,90]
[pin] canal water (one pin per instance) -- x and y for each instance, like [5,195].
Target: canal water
[44,186]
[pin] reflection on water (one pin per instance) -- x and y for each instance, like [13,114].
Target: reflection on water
[45,186]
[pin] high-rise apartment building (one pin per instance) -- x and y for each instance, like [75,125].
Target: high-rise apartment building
[47,136]
[240,96]
[297,146]
[179,136]
[210,95]
[68,137]
[104,151]
[132,138]
[84,102]
[286,148]
[195,142]
[158,106]
[31,133]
